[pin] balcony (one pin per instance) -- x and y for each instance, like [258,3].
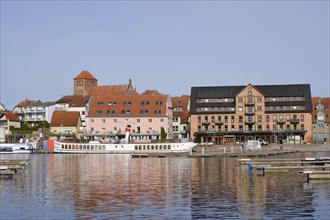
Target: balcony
[206,122]
[294,121]
[280,121]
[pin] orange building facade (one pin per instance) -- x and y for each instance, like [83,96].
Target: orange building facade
[231,115]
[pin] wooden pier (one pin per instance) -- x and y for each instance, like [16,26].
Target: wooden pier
[314,168]
[8,168]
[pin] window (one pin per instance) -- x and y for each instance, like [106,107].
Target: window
[129,103]
[82,112]
[162,120]
[175,129]
[249,93]
[142,103]
[103,120]
[259,108]
[240,108]
[124,103]
[92,120]
[147,103]
[115,120]
[100,103]
[259,99]
[150,120]
[138,120]
[98,112]
[240,99]
[175,119]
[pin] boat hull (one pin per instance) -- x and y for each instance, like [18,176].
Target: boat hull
[123,148]
[12,148]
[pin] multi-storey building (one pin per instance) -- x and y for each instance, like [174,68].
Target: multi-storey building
[147,114]
[321,120]
[234,114]
[180,107]
[34,112]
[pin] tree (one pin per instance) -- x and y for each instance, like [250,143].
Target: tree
[162,133]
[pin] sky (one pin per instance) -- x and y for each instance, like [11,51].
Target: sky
[169,46]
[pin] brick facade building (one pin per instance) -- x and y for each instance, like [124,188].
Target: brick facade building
[230,115]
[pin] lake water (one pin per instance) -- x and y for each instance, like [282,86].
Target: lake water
[59,186]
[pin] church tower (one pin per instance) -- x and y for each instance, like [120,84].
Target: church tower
[83,83]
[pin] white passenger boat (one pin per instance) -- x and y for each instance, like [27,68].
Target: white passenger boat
[124,147]
[12,148]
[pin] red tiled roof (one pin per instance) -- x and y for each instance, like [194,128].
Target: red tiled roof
[315,101]
[181,102]
[85,75]
[65,119]
[124,89]
[26,103]
[326,102]
[11,116]
[103,106]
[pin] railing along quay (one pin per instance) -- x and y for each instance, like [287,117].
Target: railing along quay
[8,168]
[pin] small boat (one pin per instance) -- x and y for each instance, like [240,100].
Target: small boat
[124,147]
[12,148]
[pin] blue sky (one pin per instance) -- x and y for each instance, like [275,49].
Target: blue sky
[165,45]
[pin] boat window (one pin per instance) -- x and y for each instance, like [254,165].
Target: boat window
[62,146]
[136,147]
[103,147]
[92,147]
[169,147]
[84,147]
[152,147]
[148,147]
[144,147]
[80,147]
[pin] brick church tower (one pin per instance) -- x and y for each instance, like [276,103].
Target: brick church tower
[83,83]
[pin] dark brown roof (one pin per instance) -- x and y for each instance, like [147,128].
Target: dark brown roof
[153,105]
[65,119]
[85,75]
[74,100]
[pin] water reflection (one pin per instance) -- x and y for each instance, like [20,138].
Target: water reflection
[119,187]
